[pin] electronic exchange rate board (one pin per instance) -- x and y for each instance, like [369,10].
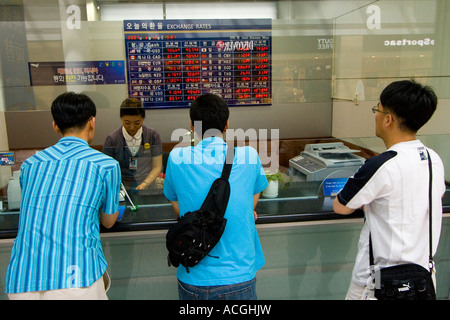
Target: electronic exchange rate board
[172,62]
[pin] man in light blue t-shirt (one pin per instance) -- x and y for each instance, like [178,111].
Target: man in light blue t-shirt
[189,174]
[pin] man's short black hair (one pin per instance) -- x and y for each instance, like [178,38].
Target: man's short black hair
[211,110]
[132,107]
[72,110]
[412,102]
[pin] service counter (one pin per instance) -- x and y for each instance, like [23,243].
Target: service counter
[296,202]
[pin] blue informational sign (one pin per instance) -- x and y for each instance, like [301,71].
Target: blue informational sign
[77,72]
[172,62]
[7,159]
[332,186]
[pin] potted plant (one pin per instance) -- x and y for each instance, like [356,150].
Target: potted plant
[272,189]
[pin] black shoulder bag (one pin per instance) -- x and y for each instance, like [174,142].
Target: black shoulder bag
[406,281]
[196,233]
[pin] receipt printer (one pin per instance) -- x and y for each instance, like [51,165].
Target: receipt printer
[324,160]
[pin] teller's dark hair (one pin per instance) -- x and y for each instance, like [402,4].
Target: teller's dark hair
[72,110]
[412,102]
[212,111]
[132,107]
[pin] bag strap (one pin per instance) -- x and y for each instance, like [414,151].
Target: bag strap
[430,213]
[217,189]
[228,163]
[371,250]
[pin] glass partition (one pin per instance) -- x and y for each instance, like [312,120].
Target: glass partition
[78,46]
[57,46]
[382,42]
[387,40]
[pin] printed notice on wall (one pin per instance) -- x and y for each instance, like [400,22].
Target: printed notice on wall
[172,62]
[77,72]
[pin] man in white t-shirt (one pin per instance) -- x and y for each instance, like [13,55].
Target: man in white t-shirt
[392,188]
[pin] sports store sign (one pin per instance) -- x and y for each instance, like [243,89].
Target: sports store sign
[395,42]
[422,42]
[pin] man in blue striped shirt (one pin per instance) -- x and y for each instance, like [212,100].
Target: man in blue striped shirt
[67,190]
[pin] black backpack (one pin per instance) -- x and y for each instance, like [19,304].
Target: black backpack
[196,233]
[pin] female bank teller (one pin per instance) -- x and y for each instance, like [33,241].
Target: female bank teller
[136,147]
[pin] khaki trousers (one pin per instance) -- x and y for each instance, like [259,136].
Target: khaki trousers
[97,291]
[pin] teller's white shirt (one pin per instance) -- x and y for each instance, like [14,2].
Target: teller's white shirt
[133,142]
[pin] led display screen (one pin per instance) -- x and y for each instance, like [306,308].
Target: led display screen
[172,62]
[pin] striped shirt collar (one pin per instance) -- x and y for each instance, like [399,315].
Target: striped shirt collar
[72,139]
